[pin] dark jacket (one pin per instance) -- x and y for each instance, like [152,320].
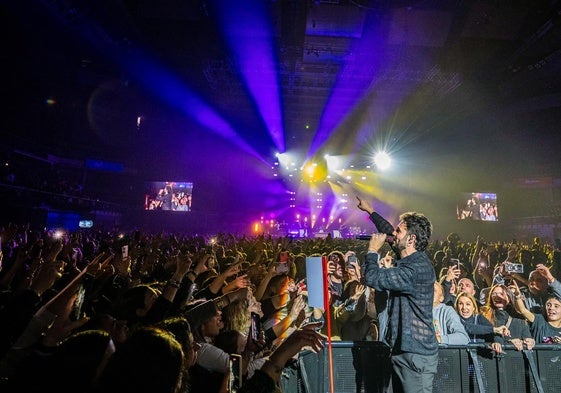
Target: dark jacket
[479,329]
[411,286]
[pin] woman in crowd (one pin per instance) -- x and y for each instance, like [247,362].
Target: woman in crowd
[478,328]
[212,364]
[281,305]
[499,310]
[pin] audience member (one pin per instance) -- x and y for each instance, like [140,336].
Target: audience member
[545,326]
[447,324]
[478,328]
[499,310]
[151,360]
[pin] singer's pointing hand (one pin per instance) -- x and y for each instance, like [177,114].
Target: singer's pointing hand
[376,242]
[364,205]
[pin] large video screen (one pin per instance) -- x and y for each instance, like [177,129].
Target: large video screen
[478,206]
[168,196]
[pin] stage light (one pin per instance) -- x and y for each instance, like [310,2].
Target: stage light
[314,172]
[382,160]
[333,162]
[283,158]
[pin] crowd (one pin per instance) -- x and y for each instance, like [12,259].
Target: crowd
[95,311]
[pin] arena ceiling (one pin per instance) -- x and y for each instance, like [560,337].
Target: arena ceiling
[438,81]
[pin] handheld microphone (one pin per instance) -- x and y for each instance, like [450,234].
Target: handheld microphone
[389,238]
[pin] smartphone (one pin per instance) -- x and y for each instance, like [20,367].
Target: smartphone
[455,262]
[125,251]
[514,268]
[283,256]
[235,374]
[76,312]
[350,261]
[255,328]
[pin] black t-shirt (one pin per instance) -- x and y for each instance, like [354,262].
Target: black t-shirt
[542,330]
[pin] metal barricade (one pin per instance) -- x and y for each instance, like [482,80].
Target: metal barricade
[461,369]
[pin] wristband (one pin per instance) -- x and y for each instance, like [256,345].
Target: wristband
[220,303]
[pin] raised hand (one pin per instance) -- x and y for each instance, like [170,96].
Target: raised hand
[359,291]
[387,261]
[544,271]
[298,305]
[48,273]
[376,241]
[182,265]
[237,283]
[364,205]
[453,273]
[122,265]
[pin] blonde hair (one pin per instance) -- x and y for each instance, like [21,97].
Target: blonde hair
[236,316]
[471,298]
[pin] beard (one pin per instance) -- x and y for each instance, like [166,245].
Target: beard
[399,245]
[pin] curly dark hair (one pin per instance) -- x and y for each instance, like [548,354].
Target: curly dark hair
[418,225]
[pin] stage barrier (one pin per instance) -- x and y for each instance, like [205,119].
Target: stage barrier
[461,369]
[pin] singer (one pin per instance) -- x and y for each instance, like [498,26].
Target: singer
[410,332]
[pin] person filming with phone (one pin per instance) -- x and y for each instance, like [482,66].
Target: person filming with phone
[410,283]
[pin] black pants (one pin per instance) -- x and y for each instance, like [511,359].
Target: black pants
[413,373]
[373,368]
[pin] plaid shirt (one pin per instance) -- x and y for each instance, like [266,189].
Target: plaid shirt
[410,305]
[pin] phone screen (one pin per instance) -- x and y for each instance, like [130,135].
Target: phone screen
[455,262]
[283,256]
[235,377]
[78,303]
[255,326]
[125,251]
